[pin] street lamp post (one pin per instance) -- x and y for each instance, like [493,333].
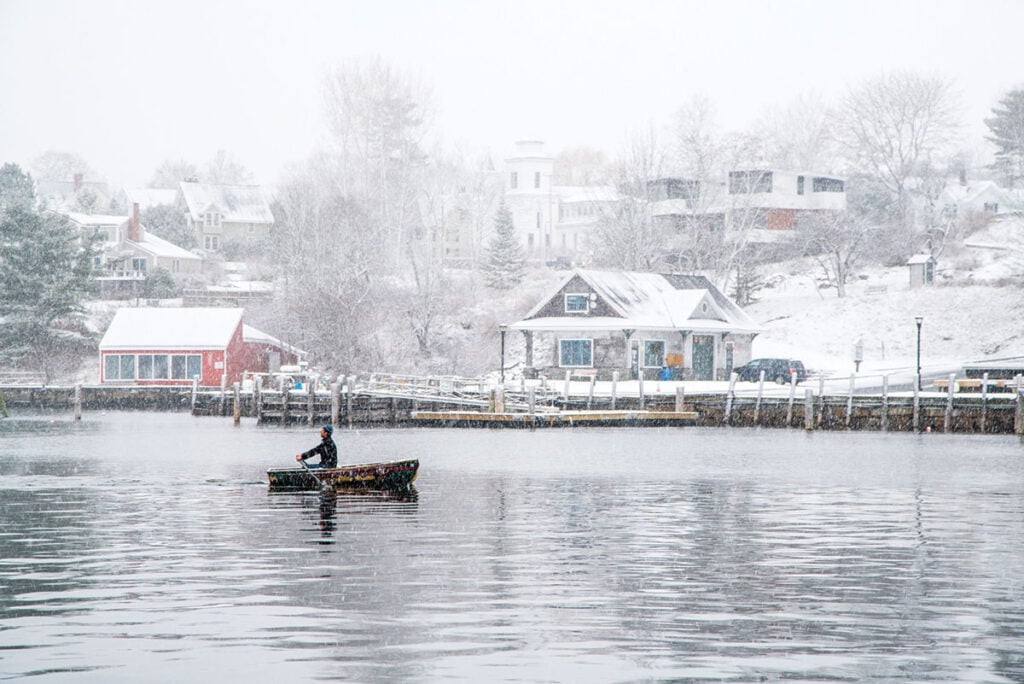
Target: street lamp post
[918,320]
[503,329]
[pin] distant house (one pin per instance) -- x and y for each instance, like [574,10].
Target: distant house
[554,222]
[128,252]
[764,201]
[164,346]
[147,198]
[79,195]
[599,322]
[221,214]
[976,197]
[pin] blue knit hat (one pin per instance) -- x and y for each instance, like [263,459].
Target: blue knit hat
[328,429]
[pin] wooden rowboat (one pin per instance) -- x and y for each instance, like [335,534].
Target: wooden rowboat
[393,475]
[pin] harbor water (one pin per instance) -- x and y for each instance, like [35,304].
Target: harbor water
[146,547]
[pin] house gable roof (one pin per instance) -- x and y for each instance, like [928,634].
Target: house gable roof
[236,203]
[172,329]
[644,301]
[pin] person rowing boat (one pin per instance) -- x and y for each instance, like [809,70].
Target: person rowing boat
[326,449]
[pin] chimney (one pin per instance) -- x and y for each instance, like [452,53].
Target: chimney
[134,229]
[78,182]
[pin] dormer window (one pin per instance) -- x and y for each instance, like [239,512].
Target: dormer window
[577,303]
[211,219]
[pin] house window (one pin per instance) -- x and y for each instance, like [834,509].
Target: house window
[826,185]
[799,185]
[992,207]
[536,179]
[119,367]
[654,353]
[211,219]
[139,265]
[153,367]
[186,366]
[538,220]
[175,266]
[529,241]
[745,182]
[513,180]
[576,353]
[252,229]
[211,242]
[577,303]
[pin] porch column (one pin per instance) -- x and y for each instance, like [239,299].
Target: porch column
[686,357]
[627,361]
[528,339]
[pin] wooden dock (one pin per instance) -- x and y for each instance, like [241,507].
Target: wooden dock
[387,400]
[554,419]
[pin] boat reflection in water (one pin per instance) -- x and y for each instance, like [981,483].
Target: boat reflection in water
[345,502]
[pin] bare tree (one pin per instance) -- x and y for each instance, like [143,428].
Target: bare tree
[712,235]
[836,241]
[55,165]
[379,118]
[796,136]
[224,169]
[626,236]
[888,125]
[173,171]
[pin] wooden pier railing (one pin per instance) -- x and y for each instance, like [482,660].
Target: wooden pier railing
[395,399]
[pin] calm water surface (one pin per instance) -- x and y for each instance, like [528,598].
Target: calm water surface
[141,547]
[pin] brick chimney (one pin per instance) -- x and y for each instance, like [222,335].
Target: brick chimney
[134,228]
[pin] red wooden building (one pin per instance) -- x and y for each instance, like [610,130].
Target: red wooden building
[158,346]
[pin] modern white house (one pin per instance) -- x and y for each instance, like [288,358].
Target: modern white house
[764,201]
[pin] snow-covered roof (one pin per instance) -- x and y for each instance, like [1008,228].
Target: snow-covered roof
[920,259]
[162,248]
[170,328]
[95,219]
[647,301]
[236,203]
[254,336]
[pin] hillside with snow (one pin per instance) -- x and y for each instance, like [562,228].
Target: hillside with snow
[974,311]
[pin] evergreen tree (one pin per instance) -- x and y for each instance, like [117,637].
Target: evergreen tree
[1007,126]
[506,264]
[45,275]
[17,189]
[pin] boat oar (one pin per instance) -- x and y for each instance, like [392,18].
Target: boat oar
[313,475]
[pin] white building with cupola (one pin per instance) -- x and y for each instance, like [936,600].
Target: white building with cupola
[556,223]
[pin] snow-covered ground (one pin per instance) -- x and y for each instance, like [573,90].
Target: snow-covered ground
[974,312]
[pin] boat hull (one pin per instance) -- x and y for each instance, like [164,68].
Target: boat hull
[392,475]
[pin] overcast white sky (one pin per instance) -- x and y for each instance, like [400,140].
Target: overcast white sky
[127,84]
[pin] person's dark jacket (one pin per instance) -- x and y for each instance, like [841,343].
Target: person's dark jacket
[327,450]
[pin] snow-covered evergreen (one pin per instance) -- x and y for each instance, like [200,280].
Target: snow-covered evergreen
[506,264]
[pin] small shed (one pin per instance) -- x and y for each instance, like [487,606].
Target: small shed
[164,346]
[922,270]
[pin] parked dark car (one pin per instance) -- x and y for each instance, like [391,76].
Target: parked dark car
[778,370]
